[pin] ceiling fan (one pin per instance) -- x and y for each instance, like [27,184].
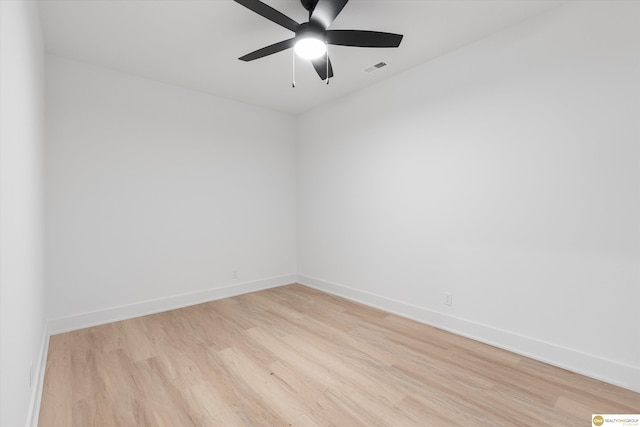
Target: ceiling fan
[312,37]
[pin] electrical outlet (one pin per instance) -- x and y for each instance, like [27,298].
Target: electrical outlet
[235,274]
[448,298]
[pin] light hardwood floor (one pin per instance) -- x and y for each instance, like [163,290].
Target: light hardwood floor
[294,356]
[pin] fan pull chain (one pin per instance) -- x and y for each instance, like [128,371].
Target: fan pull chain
[327,51]
[293,77]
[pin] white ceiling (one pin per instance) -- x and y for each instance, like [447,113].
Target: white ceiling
[195,43]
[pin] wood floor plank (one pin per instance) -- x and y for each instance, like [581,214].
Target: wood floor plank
[295,356]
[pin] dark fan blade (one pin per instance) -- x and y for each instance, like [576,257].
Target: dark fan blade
[326,11]
[363,38]
[270,13]
[320,65]
[269,50]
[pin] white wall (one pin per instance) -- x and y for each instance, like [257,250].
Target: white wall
[154,192]
[21,145]
[506,173]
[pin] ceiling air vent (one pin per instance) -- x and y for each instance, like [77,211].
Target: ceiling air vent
[376,67]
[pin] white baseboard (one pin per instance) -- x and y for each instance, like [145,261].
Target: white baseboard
[129,311]
[582,363]
[36,389]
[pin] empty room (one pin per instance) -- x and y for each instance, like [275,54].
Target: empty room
[319,213]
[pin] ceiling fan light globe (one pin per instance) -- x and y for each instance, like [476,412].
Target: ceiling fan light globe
[310,48]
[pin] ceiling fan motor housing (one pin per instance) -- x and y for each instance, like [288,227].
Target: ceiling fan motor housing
[310,30]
